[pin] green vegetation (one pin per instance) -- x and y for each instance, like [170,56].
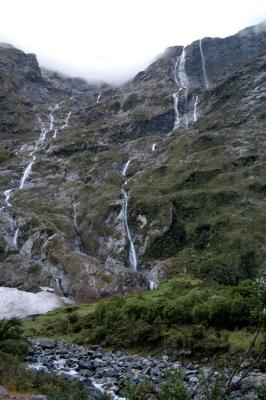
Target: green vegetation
[172,389]
[130,102]
[184,313]
[14,377]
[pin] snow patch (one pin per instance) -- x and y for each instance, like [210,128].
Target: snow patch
[20,304]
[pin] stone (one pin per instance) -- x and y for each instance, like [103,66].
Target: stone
[3,391]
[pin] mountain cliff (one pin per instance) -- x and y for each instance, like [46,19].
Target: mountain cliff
[109,189]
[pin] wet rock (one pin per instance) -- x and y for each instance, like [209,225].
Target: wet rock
[3,391]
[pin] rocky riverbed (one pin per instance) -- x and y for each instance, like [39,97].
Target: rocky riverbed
[106,372]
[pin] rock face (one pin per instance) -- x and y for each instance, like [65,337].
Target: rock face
[192,127]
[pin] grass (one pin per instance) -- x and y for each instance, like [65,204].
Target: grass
[184,313]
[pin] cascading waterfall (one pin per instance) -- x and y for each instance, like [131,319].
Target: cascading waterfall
[181,79]
[7,197]
[124,172]
[28,168]
[195,109]
[15,238]
[203,66]
[98,98]
[153,146]
[177,120]
[51,122]
[66,121]
[27,171]
[55,133]
[132,252]
[184,82]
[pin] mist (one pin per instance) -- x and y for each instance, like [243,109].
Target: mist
[113,40]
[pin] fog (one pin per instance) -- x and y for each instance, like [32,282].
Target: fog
[112,40]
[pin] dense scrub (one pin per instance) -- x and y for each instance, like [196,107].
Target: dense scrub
[183,313]
[17,379]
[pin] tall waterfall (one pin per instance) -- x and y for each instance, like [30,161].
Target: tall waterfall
[132,252]
[203,65]
[66,121]
[182,81]
[177,120]
[27,172]
[195,109]
[98,98]
[15,237]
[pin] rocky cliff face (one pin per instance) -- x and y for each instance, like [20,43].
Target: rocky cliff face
[191,198]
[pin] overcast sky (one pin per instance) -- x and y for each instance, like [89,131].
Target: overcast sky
[114,39]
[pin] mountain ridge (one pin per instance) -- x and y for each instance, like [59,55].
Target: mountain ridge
[194,143]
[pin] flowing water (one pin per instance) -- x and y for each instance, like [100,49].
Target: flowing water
[203,65]
[132,252]
[7,197]
[177,120]
[153,146]
[27,172]
[98,98]
[66,121]
[182,81]
[195,109]
[15,238]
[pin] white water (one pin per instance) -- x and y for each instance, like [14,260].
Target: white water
[55,133]
[177,120]
[66,121]
[51,122]
[195,109]
[98,98]
[132,252]
[184,82]
[203,65]
[152,285]
[7,197]
[124,172]
[153,146]
[15,237]
[26,173]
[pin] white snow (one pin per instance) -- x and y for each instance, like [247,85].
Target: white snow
[20,304]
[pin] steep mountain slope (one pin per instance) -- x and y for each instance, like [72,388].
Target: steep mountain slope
[191,199]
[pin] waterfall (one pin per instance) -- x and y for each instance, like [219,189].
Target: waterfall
[203,65]
[152,285]
[66,121]
[55,133]
[132,252]
[51,122]
[26,173]
[124,172]
[42,138]
[182,81]
[177,120]
[195,109]
[98,98]
[15,238]
[43,133]
[7,197]
[153,146]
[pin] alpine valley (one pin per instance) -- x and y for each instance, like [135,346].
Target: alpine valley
[153,193]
